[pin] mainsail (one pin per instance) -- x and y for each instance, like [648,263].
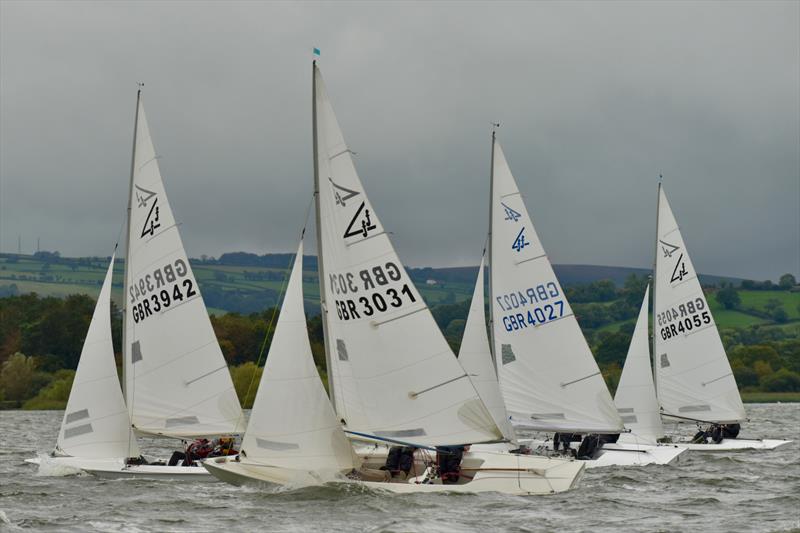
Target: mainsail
[475,356]
[293,425]
[176,380]
[391,371]
[548,376]
[636,396]
[96,423]
[694,379]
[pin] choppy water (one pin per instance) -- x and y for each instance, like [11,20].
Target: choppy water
[737,491]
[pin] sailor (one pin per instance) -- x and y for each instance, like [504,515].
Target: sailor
[449,459]
[730,431]
[399,461]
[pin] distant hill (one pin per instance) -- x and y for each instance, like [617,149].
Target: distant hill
[245,282]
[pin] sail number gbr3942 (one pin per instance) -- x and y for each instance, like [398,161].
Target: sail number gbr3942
[158,290]
[533,307]
[369,291]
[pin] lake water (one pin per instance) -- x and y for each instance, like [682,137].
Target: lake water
[737,491]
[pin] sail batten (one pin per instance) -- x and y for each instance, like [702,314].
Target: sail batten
[548,376]
[382,340]
[692,371]
[174,383]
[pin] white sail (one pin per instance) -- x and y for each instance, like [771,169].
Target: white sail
[475,356]
[548,376]
[636,395]
[96,423]
[392,372]
[293,424]
[694,379]
[176,381]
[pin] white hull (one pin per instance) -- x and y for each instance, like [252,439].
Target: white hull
[621,453]
[491,472]
[116,468]
[737,444]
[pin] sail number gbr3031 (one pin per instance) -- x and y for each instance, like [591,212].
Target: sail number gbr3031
[159,289]
[536,306]
[368,292]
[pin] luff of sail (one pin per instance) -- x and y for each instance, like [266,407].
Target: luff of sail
[392,371]
[694,379]
[475,357]
[548,376]
[177,381]
[293,425]
[96,423]
[635,397]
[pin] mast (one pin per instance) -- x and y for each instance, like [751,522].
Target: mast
[489,262]
[653,285]
[128,252]
[320,268]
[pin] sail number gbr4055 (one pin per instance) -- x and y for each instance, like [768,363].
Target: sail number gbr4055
[369,291]
[536,306]
[159,289]
[683,318]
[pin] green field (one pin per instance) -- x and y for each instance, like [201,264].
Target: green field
[770,397]
[63,279]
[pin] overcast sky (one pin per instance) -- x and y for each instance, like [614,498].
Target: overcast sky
[595,100]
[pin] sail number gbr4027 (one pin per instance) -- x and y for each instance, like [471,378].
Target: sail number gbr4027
[536,306]
[159,289]
[370,291]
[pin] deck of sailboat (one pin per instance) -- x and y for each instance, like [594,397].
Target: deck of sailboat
[481,472]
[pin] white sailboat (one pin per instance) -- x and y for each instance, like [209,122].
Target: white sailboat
[392,376]
[693,378]
[548,376]
[176,382]
[293,437]
[95,431]
[635,397]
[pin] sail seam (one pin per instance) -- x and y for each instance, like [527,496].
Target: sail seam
[349,244]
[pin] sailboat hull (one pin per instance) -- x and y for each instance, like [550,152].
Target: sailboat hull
[116,468]
[737,444]
[483,472]
[621,453]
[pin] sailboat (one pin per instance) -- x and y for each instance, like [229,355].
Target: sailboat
[176,382]
[635,397]
[693,378]
[393,379]
[548,377]
[95,431]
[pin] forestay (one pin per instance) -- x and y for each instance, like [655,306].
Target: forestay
[96,423]
[636,396]
[548,377]
[293,424]
[392,372]
[693,376]
[475,357]
[177,382]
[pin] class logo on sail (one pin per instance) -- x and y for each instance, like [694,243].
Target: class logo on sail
[511,215]
[361,223]
[520,242]
[151,223]
[679,272]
